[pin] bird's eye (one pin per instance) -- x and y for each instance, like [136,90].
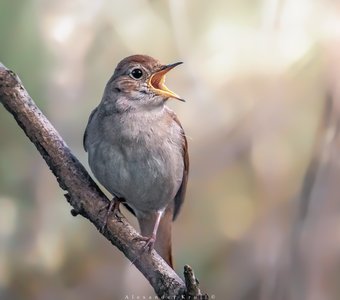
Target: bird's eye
[136,73]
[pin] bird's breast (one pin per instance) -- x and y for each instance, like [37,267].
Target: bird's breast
[140,162]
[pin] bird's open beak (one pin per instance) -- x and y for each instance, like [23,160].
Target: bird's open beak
[157,79]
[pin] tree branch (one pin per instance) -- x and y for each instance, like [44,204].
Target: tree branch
[82,192]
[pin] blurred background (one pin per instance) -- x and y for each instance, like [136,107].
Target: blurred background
[262,84]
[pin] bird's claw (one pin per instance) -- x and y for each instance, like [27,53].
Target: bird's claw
[149,242]
[149,245]
[114,209]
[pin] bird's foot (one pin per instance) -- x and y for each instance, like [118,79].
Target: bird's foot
[149,242]
[114,209]
[149,245]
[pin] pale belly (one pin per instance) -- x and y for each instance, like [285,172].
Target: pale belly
[146,179]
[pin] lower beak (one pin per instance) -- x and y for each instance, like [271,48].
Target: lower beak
[157,82]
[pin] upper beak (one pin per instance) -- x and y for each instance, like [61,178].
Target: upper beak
[157,79]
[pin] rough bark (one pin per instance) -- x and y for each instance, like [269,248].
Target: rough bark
[82,192]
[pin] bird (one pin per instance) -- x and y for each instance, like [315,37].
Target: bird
[138,151]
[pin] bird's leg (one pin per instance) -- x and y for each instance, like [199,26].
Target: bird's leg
[150,240]
[114,208]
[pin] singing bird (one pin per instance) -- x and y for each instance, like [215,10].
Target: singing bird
[137,148]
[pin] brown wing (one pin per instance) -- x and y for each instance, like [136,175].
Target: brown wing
[179,198]
[85,133]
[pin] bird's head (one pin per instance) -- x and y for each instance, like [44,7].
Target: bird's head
[139,82]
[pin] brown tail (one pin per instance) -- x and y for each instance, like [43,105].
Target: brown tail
[163,239]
